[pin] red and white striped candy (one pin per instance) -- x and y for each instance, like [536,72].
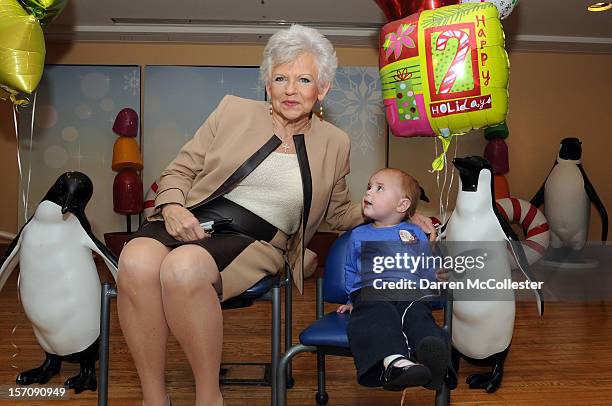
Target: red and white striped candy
[456,66]
[533,222]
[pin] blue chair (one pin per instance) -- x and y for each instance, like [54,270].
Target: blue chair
[327,335]
[267,288]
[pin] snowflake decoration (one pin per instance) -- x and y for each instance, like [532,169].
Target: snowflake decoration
[355,105]
[131,82]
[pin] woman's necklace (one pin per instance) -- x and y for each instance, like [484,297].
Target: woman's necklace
[286,145]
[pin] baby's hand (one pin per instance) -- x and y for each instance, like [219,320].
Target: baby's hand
[443,275]
[345,308]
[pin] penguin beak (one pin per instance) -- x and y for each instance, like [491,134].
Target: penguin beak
[461,164]
[468,174]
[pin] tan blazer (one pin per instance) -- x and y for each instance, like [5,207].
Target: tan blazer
[236,131]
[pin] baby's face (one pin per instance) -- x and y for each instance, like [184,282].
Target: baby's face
[383,196]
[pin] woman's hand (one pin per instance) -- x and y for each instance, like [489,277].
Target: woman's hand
[182,224]
[345,308]
[425,224]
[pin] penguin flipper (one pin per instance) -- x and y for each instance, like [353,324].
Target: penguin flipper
[592,194]
[521,259]
[538,199]
[11,258]
[96,245]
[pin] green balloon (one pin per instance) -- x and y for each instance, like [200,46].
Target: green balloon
[45,11]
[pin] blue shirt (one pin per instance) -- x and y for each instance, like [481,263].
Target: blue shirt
[417,247]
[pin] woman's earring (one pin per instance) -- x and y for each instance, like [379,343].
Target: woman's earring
[270,108]
[321,111]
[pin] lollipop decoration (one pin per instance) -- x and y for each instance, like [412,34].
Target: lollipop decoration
[496,152]
[127,187]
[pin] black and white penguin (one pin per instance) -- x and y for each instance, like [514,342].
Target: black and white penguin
[567,195]
[482,329]
[58,282]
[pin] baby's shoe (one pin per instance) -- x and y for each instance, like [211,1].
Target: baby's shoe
[397,378]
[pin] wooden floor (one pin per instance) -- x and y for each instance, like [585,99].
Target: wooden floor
[563,358]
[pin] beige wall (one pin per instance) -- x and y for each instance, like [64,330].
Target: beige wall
[552,96]
[8,170]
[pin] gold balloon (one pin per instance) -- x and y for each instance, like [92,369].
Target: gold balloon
[45,11]
[22,48]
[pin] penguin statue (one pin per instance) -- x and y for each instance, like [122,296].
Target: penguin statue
[58,282]
[567,194]
[482,329]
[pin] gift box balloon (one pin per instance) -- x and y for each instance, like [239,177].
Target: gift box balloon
[444,71]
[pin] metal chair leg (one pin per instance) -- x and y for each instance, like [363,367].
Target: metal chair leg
[282,370]
[289,321]
[276,331]
[322,396]
[443,396]
[108,293]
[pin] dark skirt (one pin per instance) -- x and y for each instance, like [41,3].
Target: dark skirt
[225,244]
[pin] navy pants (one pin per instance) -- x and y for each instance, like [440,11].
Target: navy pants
[375,332]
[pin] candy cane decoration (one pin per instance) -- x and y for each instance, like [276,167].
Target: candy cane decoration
[457,65]
[533,222]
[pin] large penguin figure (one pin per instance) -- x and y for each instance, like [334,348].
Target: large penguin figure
[567,194]
[58,282]
[482,330]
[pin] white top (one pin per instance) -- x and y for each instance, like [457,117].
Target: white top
[273,191]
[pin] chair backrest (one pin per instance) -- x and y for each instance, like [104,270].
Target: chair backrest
[333,275]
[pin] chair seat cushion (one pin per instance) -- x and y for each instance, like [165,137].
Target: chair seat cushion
[257,291]
[260,288]
[327,331]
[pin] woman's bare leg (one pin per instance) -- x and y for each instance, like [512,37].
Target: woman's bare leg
[193,313]
[141,314]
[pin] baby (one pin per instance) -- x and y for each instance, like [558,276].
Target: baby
[395,343]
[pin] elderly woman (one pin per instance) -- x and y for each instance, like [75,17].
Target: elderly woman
[277,170]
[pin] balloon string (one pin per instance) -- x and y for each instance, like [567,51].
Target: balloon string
[30,155]
[15,347]
[450,186]
[437,179]
[19,166]
[442,206]
[403,397]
